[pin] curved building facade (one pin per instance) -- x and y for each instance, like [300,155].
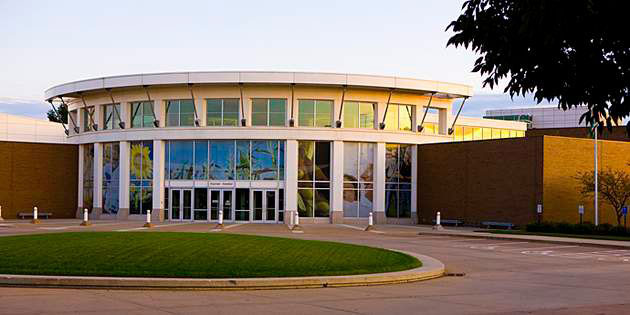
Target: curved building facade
[260,146]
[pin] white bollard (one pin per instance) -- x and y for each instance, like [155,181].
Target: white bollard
[296,226]
[148,224]
[1,219]
[86,218]
[221,217]
[35,220]
[438,222]
[297,218]
[370,222]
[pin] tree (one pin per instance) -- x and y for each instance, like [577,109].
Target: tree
[575,52]
[613,185]
[60,116]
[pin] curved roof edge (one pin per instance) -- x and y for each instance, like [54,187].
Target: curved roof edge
[453,90]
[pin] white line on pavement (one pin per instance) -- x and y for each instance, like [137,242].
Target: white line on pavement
[539,248]
[157,226]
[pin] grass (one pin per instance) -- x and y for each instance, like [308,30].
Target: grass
[190,255]
[595,237]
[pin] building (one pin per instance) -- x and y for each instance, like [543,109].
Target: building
[541,117]
[505,180]
[37,167]
[260,146]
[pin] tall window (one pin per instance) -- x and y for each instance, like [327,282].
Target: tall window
[72,119]
[358,115]
[430,128]
[358,179]
[398,158]
[180,113]
[315,113]
[399,117]
[314,178]
[142,114]
[111,112]
[225,160]
[88,176]
[88,118]
[111,175]
[222,112]
[141,177]
[269,112]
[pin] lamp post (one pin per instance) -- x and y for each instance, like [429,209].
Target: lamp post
[596,184]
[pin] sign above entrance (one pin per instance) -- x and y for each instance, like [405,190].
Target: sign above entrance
[221,184]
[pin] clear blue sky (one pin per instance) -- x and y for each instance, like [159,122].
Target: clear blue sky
[44,43]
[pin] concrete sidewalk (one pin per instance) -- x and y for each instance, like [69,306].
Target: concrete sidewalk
[470,232]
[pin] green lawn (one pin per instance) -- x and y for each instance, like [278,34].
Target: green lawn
[190,255]
[595,237]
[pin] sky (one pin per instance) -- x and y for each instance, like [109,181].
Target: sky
[45,43]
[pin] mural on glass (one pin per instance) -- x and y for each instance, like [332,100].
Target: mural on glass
[141,177]
[88,176]
[313,178]
[398,159]
[111,175]
[358,179]
[224,160]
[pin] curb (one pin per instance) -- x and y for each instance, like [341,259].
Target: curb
[548,239]
[431,268]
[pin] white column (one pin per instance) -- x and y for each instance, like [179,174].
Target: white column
[80,188]
[98,180]
[414,184]
[123,181]
[158,180]
[159,106]
[443,121]
[125,114]
[201,111]
[98,117]
[291,175]
[337,182]
[379,113]
[379,183]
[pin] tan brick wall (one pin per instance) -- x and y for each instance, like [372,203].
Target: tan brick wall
[563,158]
[618,133]
[38,174]
[490,180]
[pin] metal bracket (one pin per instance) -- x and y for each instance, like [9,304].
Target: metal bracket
[382,124]
[121,123]
[74,123]
[156,122]
[243,120]
[426,111]
[451,130]
[292,120]
[343,95]
[190,86]
[90,113]
[65,129]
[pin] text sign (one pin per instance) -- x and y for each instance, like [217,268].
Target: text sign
[539,208]
[581,209]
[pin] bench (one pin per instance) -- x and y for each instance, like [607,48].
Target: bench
[488,224]
[42,215]
[450,221]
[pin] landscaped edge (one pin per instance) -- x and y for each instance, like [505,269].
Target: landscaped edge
[431,268]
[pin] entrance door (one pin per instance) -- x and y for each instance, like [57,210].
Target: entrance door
[181,204]
[221,200]
[265,205]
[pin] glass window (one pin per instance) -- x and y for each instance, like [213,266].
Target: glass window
[315,113]
[459,133]
[222,112]
[358,115]
[468,133]
[358,179]
[88,118]
[222,160]
[399,117]
[111,114]
[142,114]
[314,178]
[269,112]
[496,133]
[512,133]
[430,128]
[201,159]
[180,113]
[88,176]
[505,133]
[520,133]
[477,135]
[398,176]
[264,160]
[486,133]
[242,204]
[111,175]
[181,159]
[141,177]
[242,160]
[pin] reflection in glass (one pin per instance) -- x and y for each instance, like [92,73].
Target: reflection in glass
[306,114]
[405,117]
[141,175]
[264,159]
[222,160]
[306,153]
[201,159]
[305,202]
[111,175]
[242,160]
[322,202]
[88,176]
[351,115]
[181,159]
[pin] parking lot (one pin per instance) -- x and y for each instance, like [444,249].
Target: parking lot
[499,276]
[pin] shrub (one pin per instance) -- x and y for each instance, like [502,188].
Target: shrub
[586,228]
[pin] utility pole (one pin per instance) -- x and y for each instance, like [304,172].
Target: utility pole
[596,190]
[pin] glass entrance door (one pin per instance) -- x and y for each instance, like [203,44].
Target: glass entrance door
[181,204]
[221,200]
[265,205]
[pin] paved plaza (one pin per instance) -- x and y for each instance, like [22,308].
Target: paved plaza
[501,276]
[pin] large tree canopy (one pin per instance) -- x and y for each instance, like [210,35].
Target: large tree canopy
[574,52]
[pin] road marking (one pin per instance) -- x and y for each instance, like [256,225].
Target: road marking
[157,226]
[539,248]
[352,227]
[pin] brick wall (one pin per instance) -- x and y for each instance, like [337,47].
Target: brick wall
[618,133]
[38,174]
[475,181]
[564,157]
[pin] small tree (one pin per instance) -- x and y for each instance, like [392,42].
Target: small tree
[613,185]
